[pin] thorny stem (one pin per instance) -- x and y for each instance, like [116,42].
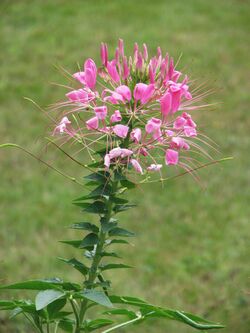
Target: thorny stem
[93,272]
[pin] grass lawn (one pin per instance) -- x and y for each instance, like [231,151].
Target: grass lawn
[192,252]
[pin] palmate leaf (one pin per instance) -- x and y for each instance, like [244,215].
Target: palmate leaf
[149,311]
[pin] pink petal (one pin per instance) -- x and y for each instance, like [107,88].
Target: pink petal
[92,123]
[166,102]
[101,112]
[136,165]
[172,157]
[136,135]
[121,130]
[154,167]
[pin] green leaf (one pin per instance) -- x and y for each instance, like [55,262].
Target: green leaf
[43,285]
[123,312]
[97,207]
[76,264]
[127,300]
[75,243]
[7,305]
[108,226]
[128,184]
[54,307]
[98,323]
[89,241]
[110,254]
[148,310]
[122,208]
[100,177]
[46,297]
[121,232]
[114,266]
[17,311]
[85,226]
[116,241]
[101,191]
[98,297]
[118,200]
[66,325]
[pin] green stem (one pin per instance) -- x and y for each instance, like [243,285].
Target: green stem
[56,326]
[76,314]
[47,327]
[96,260]
[123,324]
[32,323]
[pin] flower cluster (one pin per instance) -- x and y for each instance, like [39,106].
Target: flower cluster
[137,106]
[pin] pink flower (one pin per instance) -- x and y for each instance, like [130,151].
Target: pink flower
[189,120]
[116,116]
[120,94]
[106,129]
[136,165]
[124,91]
[153,125]
[176,96]
[184,120]
[143,92]
[125,69]
[126,152]
[154,167]
[101,112]
[166,102]
[112,70]
[90,71]
[88,77]
[169,133]
[121,130]
[121,47]
[172,157]
[80,76]
[79,95]
[135,135]
[143,151]
[179,143]
[104,54]
[107,161]
[92,123]
[145,52]
[63,126]
[116,153]
[180,122]
[190,131]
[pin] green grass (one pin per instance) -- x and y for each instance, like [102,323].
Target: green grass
[192,252]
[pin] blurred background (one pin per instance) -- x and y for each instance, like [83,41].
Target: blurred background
[192,251]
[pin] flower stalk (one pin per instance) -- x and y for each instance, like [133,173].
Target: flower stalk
[130,115]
